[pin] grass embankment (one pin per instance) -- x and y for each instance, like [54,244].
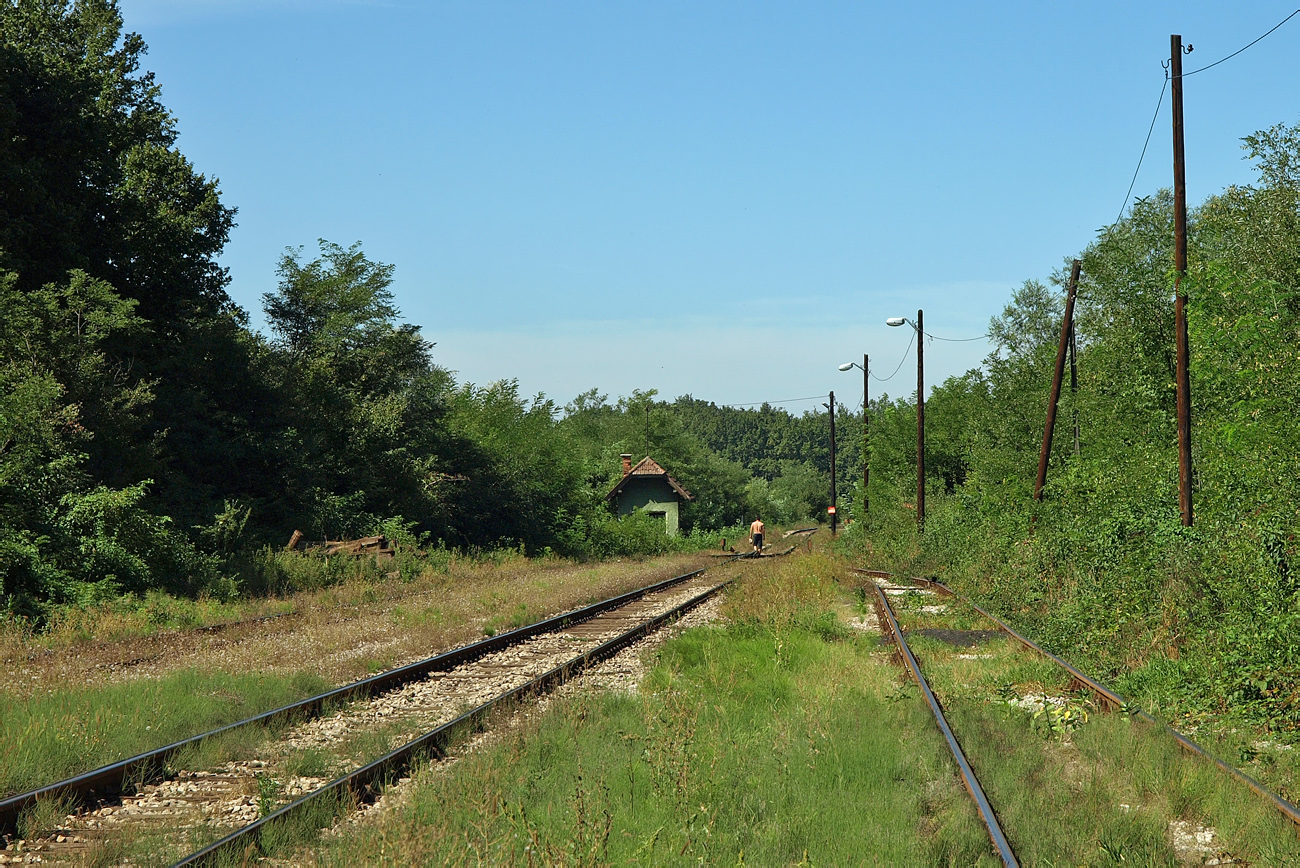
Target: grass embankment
[50,729]
[300,583]
[781,737]
[48,737]
[1072,784]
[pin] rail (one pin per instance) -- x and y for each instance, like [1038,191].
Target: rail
[996,835]
[150,765]
[1112,699]
[365,781]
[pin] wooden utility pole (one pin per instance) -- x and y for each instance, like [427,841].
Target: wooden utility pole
[834,515]
[1067,326]
[1184,384]
[866,436]
[920,420]
[1074,384]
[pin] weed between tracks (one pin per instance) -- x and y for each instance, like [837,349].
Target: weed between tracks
[780,738]
[1072,784]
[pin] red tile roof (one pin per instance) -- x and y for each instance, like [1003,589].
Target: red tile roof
[649,467]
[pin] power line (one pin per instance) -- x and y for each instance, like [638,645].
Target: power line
[1244,47]
[955,340]
[782,401]
[1154,116]
[1160,101]
[900,361]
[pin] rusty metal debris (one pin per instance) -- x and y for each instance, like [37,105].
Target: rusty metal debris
[380,547]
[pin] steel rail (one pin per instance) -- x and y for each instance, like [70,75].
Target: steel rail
[968,777]
[150,765]
[1116,702]
[368,779]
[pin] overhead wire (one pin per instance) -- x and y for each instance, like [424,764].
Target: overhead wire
[781,401]
[1160,102]
[900,361]
[956,340]
[1244,47]
[1132,182]
[1154,116]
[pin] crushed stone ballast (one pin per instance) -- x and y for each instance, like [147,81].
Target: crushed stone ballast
[111,780]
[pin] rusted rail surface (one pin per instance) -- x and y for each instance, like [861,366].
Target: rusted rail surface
[996,835]
[366,782]
[1112,699]
[150,765]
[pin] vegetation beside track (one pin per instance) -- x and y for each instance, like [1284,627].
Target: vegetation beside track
[47,737]
[487,590]
[781,737]
[1071,783]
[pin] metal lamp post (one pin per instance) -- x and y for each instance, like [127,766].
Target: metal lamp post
[920,410]
[866,429]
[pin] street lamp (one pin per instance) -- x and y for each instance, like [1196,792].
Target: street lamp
[866,430]
[920,410]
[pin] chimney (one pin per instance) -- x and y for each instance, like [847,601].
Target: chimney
[627,463]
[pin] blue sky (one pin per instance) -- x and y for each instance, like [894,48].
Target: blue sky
[721,199]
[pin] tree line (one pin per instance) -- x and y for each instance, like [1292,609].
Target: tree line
[149,436]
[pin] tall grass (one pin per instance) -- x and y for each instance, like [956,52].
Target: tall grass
[49,736]
[1071,784]
[777,739]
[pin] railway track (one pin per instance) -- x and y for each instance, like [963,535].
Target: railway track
[410,712]
[982,805]
[1104,696]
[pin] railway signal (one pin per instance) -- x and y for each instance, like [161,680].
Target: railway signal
[831,410]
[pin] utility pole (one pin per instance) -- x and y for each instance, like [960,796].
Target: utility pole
[920,421]
[834,515]
[1074,385]
[1184,382]
[1067,326]
[866,436]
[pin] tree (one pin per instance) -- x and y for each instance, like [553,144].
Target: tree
[62,537]
[91,176]
[359,402]
[91,181]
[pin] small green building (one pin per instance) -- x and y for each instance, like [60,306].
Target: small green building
[649,487]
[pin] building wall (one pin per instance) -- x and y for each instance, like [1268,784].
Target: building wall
[653,495]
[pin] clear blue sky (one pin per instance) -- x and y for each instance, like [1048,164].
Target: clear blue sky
[722,199]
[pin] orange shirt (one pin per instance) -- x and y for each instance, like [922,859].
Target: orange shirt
[757,526]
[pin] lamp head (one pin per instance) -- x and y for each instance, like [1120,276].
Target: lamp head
[847,366]
[895,321]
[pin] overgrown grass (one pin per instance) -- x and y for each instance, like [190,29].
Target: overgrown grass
[434,610]
[748,748]
[1073,785]
[778,739]
[49,736]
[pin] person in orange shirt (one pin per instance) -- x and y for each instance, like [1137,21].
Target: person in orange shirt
[756,535]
